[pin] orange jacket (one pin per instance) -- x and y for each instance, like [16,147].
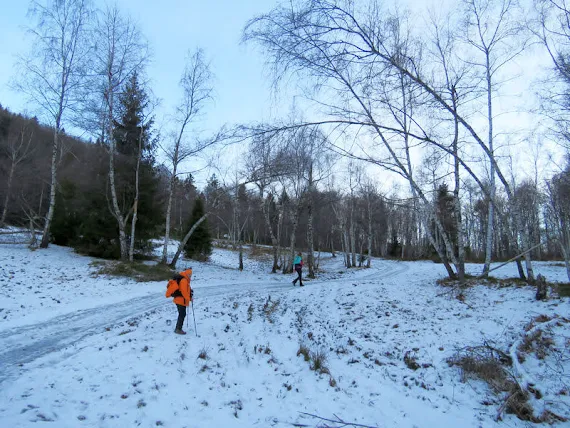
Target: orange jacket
[185,289]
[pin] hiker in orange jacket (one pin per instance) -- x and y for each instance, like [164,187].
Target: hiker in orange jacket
[183,301]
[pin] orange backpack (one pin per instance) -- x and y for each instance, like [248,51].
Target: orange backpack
[173,286]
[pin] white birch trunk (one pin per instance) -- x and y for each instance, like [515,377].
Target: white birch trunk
[115,202]
[53,185]
[288,266]
[310,237]
[460,267]
[274,242]
[368,261]
[185,240]
[136,201]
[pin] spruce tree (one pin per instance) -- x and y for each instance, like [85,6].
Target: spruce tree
[199,246]
[131,128]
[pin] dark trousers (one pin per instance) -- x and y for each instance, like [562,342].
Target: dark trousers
[298,269]
[181,316]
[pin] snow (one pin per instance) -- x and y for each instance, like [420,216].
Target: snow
[81,349]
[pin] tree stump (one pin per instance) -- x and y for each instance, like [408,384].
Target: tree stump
[541,289]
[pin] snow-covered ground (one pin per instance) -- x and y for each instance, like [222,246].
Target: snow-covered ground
[78,349]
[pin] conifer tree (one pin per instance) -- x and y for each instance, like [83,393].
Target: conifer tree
[136,180]
[199,246]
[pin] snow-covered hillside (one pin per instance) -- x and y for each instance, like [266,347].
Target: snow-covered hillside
[84,350]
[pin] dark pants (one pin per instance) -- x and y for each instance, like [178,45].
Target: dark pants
[298,269]
[181,316]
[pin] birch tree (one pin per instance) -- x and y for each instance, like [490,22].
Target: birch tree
[551,29]
[121,51]
[53,73]
[494,33]
[264,169]
[318,165]
[339,56]
[134,141]
[369,194]
[293,157]
[196,88]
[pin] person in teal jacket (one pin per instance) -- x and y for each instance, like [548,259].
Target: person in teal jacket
[298,266]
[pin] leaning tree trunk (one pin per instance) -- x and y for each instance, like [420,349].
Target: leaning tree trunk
[185,240]
[136,202]
[442,254]
[171,190]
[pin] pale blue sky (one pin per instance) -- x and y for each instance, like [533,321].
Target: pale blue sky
[172,27]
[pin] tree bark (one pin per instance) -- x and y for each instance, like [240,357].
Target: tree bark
[171,189]
[491,212]
[53,185]
[457,201]
[310,237]
[288,266]
[121,221]
[185,240]
[136,201]
[274,242]
[368,261]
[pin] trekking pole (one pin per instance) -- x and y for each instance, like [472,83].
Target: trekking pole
[194,316]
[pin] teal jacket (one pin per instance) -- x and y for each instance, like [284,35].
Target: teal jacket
[298,261]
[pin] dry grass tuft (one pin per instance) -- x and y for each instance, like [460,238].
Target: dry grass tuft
[141,272]
[410,361]
[489,365]
[269,309]
[318,360]
[203,355]
[304,351]
[258,252]
[536,343]
[250,312]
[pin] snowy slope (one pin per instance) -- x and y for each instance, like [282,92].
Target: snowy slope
[92,351]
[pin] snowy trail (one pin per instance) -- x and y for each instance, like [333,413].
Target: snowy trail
[25,344]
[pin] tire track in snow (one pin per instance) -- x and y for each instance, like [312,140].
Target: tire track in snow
[25,344]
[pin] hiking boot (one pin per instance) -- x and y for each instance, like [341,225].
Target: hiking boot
[293,282]
[301,285]
[179,331]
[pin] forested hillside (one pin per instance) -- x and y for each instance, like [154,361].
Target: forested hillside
[407,147]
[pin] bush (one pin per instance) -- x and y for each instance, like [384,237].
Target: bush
[138,271]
